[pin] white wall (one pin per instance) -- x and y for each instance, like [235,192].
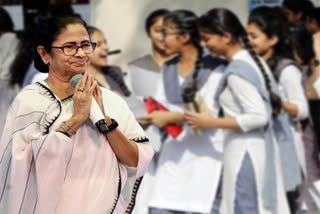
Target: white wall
[83,10]
[316,2]
[123,21]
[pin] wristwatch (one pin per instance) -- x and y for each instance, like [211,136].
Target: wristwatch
[103,127]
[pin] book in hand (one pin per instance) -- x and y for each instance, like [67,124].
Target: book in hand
[152,105]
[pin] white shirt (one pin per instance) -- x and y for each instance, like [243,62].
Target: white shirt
[241,99]
[38,77]
[291,88]
[9,49]
[316,86]
[189,167]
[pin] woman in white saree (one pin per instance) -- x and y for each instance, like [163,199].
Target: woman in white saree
[53,159]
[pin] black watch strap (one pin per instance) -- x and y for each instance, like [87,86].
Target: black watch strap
[113,125]
[104,128]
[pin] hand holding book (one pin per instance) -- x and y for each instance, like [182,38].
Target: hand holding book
[158,116]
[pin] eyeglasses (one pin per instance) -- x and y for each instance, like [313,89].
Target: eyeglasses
[70,50]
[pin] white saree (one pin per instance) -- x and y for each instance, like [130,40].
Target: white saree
[44,171]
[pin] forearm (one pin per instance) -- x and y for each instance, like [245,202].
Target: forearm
[126,151]
[291,109]
[224,123]
[70,126]
[175,118]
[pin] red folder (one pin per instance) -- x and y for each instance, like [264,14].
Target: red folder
[152,105]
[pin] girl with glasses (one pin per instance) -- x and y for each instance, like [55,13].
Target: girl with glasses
[189,166]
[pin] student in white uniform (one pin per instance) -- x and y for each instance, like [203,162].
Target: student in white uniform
[145,74]
[189,166]
[268,34]
[148,67]
[307,54]
[252,179]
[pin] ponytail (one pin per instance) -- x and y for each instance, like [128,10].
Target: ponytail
[119,80]
[186,22]
[190,91]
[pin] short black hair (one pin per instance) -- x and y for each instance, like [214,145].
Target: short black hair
[297,6]
[46,32]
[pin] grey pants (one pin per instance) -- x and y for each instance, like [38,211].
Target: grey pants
[246,200]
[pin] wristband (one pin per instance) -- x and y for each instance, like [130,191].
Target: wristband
[113,125]
[104,128]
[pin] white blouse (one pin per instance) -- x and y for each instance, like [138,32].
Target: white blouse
[316,86]
[44,171]
[189,166]
[241,99]
[291,88]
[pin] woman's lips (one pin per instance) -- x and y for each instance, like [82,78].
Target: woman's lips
[81,63]
[103,56]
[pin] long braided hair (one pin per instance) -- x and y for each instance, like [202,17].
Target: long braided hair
[110,70]
[186,23]
[220,21]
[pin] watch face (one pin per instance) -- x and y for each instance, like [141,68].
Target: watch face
[103,128]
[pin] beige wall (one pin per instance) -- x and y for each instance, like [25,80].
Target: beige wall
[123,21]
[316,2]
